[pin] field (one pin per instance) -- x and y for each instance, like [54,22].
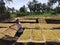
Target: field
[50,26]
[24,25]
[33,25]
[25,36]
[37,35]
[33,32]
[5,24]
[57,33]
[49,36]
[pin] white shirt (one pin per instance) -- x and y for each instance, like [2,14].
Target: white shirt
[19,26]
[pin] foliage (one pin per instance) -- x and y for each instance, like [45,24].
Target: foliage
[10,10]
[51,2]
[31,14]
[57,9]
[2,7]
[34,6]
[3,13]
[38,7]
[23,9]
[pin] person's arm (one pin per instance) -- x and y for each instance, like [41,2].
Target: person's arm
[11,25]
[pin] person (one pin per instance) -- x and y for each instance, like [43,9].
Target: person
[20,29]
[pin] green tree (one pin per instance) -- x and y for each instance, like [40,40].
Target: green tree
[44,7]
[32,6]
[12,9]
[23,9]
[39,7]
[3,13]
[35,1]
[2,7]
[51,2]
[57,9]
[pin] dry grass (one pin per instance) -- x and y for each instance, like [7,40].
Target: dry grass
[42,21]
[23,20]
[24,25]
[56,32]
[25,36]
[49,26]
[2,29]
[37,35]
[27,20]
[31,34]
[10,32]
[2,35]
[5,24]
[49,36]
[7,31]
[28,25]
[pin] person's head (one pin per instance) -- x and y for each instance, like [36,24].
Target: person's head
[17,20]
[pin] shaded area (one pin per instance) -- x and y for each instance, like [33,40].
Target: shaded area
[52,21]
[56,28]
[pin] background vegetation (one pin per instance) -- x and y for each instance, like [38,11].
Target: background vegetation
[35,9]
